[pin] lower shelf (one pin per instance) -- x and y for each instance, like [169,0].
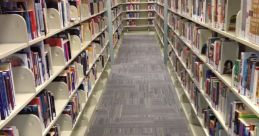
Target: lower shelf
[195,123]
[84,121]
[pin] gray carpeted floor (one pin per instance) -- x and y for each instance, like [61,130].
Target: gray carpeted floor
[139,100]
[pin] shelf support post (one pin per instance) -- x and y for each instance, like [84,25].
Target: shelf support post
[110,30]
[165,31]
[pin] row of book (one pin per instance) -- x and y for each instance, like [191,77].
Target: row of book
[9,131]
[116,11]
[92,27]
[38,59]
[73,108]
[213,89]
[43,105]
[117,35]
[160,10]
[217,13]
[217,94]
[96,6]
[224,55]
[196,98]
[35,12]
[133,7]
[133,15]
[7,91]
[117,22]
[241,18]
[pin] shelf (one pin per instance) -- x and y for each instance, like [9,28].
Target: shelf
[80,130]
[113,31]
[69,133]
[159,15]
[196,130]
[96,58]
[162,30]
[190,102]
[117,16]
[216,112]
[225,78]
[7,49]
[141,10]
[159,37]
[60,106]
[22,102]
[139,26]
[139,18]
[230,35]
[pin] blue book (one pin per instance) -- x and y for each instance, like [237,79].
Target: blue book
[4,101]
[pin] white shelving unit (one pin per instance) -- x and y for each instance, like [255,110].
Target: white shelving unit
[26,90]
[226,79]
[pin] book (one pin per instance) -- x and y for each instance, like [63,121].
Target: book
[9,131]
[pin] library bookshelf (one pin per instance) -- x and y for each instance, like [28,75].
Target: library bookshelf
[79,29]
[187,52]
[139,15]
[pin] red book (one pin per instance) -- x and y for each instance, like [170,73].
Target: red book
[218,47]
[36,101]
[33,24]
[54,42]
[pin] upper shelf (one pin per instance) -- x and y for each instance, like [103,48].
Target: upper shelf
[18,29]
[228,34]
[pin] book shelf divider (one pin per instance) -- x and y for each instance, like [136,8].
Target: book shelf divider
[59,90]
[75,44]
[27,124]
[74,13]
[65,122]
[53,19]
[13,25]
[24,81]
[58,58]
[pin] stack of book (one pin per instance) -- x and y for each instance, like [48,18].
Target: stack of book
[33,12]
[61,40]
[241,120]
[133,15]
[212,124]
[68,76]
[96,6]
[9,131]
[43,106]
[37,58]
[245,75]
[73,108]
[133,7]
[7,90]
